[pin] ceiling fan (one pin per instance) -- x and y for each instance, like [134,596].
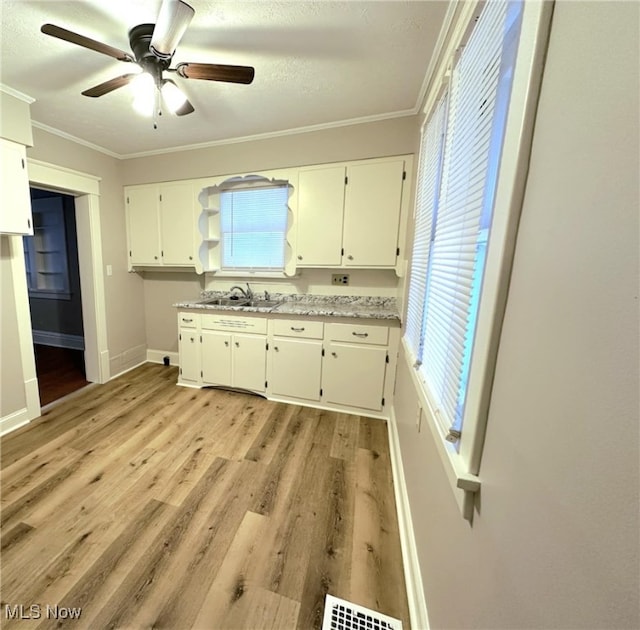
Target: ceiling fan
[153,47]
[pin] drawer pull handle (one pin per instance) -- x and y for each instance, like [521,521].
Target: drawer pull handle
[355,334]
[297,329]
[187,321]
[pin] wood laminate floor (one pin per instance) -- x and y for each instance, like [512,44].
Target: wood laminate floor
[148,505]
[60,372]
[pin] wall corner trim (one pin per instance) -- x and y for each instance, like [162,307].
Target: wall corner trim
[412,573]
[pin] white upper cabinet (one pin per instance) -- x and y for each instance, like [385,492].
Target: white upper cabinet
[162,224]
[351,214]
[143,222]
[320,214]
[15,201]
[373,198]
[341,215]
[178,216]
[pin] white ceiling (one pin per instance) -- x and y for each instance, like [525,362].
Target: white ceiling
[317,63]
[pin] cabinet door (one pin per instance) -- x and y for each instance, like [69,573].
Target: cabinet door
[296,366]
[250,362]
[143,222]
[320,209]
[177,223]
[15,201]
[354,375]
[189,348]
[216,358]
[372,213]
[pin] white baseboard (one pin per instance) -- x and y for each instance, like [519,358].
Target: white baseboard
[412,573]
[157,356]
[127,360]
[133,367]
[14,421]
[58,340]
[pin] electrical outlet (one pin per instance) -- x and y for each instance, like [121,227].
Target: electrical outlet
[340,278]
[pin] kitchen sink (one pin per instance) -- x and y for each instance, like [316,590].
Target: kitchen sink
[262,303]
[240,301]
[225,302]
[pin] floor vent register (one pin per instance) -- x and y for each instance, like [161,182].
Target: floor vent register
[343,615]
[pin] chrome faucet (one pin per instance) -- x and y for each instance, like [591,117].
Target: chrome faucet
[248,294]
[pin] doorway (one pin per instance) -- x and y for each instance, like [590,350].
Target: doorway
[55,299]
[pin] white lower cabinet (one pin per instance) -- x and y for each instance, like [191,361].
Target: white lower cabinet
[338,366]
[215,350]
[296,359]
[296,368]
[234,360]
[216,358]
[356,358]
[189,348]
[249,362]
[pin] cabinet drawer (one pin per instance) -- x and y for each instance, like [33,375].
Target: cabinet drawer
[298,328]
[188,320]
[232,323]
[358,333]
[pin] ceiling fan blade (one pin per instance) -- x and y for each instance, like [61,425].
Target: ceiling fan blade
[216,72]
[85,42]
[172,22]
[109,86]
[187,108]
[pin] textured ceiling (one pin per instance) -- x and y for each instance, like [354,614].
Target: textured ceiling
[316,64]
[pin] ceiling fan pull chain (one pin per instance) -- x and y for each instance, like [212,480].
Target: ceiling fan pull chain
[156,107]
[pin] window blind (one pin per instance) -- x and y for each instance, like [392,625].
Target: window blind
[459,218]
[429,167]
[253,224]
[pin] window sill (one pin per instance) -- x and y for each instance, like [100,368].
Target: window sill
[228,273]
[463,484]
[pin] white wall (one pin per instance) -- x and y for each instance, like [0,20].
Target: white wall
[12,392]
[554,543]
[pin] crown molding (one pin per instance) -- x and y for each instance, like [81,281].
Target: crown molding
[216,143]
[68,136]
[277,134]
[19,95]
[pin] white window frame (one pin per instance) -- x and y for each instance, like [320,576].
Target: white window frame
[246,184]
[462,462]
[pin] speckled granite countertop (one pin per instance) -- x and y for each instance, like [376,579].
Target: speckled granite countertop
[310,305]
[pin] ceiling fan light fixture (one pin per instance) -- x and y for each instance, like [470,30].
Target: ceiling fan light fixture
[144,89]
[172,22]
[173,96]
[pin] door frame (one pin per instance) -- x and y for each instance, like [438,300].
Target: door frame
[85,188]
